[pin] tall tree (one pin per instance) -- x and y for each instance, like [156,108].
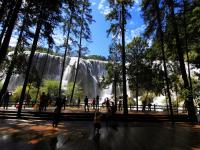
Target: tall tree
[68,20]
[47,11]
[185,6]
[16,51]
[5,23]
[151,8]
[85,20]
[114,74]
[173,21]
[119,13]
[136,50]
[4,46]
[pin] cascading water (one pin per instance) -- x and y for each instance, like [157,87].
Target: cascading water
[52,69]
[89,75]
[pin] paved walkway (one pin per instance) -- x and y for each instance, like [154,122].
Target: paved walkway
[36,135]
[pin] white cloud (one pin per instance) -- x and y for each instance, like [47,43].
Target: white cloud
[130,34]
[137,31]
[13,41]
[131,22]
[138,2]
[94,3]
[103,7]
[136,7]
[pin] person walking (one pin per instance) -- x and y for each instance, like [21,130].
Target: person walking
[86,103]
[97,102]
[6,100]
[93,103]
[79,101]
[42,102]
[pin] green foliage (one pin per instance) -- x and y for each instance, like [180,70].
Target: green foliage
[17,93]
[95,57]
[78,91]
[114,16]
[1,85]
[143,74]
[147,97]
[51,87]
[131,101]
[45,50]
[177,101]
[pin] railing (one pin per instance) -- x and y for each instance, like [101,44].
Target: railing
[152,108]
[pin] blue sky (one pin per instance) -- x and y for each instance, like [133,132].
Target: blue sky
[100,44]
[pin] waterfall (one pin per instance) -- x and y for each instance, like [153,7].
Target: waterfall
[90,72]
[52,69]
[89,75]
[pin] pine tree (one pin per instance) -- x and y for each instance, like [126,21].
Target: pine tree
[84,34]
[5,43]
[152,8]
[119,12]
[47,11]
[173,22]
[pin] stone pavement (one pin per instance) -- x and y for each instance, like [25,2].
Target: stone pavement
[74,135]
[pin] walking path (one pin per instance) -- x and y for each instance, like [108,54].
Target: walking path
[74,135]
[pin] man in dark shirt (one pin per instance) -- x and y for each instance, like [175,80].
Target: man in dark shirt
[86,103]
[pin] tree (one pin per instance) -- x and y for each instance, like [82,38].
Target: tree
[46,10]
[119,13]
[189,101]
[51,87]
[152,8]
[16,51]
[136,50]
[78,91]
[6,19]
[67,28]
[85,20]
[113,69]
[4,46]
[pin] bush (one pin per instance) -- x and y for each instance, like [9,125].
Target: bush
[51,87]
[147,97]
[1,85]
[131,101]
[78,91]
[17,93]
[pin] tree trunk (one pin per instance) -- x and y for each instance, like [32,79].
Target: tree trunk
[77,68]
[163,57]
[137,88]
[125,105]
[79,55]
[5,44]
[190,103]
[12,64]
[42,74]
[3,5]
[33,49]
[115,88]
[186,46]
[5,25]
[63,64]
